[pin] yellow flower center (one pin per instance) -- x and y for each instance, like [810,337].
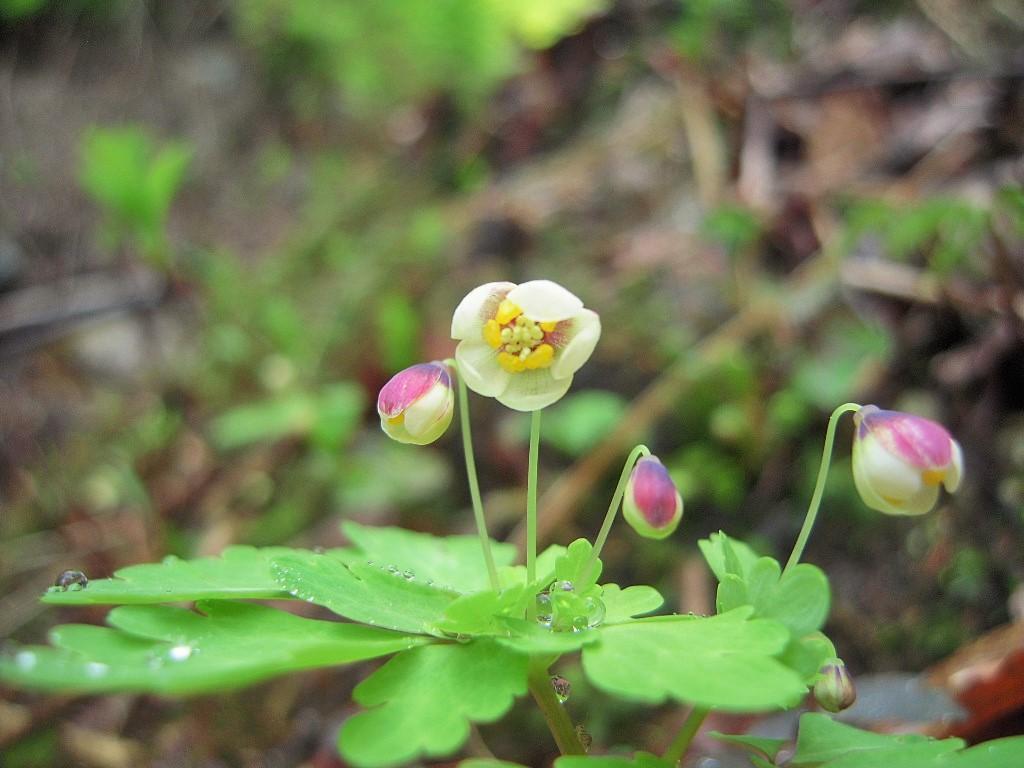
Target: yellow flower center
[933,476]
[522,343]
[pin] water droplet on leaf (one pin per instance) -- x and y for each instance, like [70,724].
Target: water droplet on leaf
[595,611]
[563,586]
[96,669]
[561,687]
[25,659]
[408,575]
[180,652]
[585,738]
[544,609]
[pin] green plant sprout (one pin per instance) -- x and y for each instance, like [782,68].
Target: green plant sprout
[134,183]
[468,630]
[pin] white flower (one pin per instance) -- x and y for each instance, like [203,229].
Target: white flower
[522,343]
[417,404]
[899,461]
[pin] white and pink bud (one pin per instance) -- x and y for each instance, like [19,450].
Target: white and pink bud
[899,461]
[652,504]
[417,404]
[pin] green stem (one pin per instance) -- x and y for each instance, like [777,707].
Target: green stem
[557,718]
[531,499]
[819,487]
[474,485]
[613,508]
[689,729]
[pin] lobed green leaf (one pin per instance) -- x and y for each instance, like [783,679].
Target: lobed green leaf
[362,592]
[825,743]
[176,651]
[420,703]
[725,662]
[238,573]
[454,563]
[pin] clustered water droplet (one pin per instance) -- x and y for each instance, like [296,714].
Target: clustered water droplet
[562,609]
[561,687]
[180,652]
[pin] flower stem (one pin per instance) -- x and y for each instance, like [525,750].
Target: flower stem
[474,485]
[689,729]
[613,508]
[557,718]
[531,499]
[819,487]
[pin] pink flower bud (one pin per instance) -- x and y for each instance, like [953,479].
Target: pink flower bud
[899,461]
[834,689]
[652,504]
[416,406]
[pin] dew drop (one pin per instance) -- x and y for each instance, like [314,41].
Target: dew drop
[579,623]
[595,611]
[563,586]
[371,564]
[180,652]
[561,687]
[408,575]
[544,616]
[25,660]
[393,570]
[96,669]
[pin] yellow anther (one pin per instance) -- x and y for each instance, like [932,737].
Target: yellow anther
[507,311]
[548,327]
[540,357]
[933,476]
[396,420]
[510,363]
[492,333]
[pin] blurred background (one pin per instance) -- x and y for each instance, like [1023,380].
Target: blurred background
[224,224]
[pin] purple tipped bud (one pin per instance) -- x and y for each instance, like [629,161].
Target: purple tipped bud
[652,504]
[416,406]
[834,689]
[899,461]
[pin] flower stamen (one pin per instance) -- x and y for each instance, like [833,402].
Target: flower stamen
[522,343]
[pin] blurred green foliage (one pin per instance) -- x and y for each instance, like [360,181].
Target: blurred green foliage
[714,30]
[384,54]
[945,232]
[133,181]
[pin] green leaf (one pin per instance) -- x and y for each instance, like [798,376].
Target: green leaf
[239,572]
[328,417]
[363,592]
[578,422]
[420,703]
[571,566]
[807,655]
[621,605]
[455,563]
[825,743]
[800,599]
[760,745]
[714,549]
[168,650]
[531,638]
[728,662]
[481,612]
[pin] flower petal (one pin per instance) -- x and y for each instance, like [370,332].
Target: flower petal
[545,301]
[433,407]
[583,332]
[955,472]
[533,390]
[478,366]
[479,304]
[887,484]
